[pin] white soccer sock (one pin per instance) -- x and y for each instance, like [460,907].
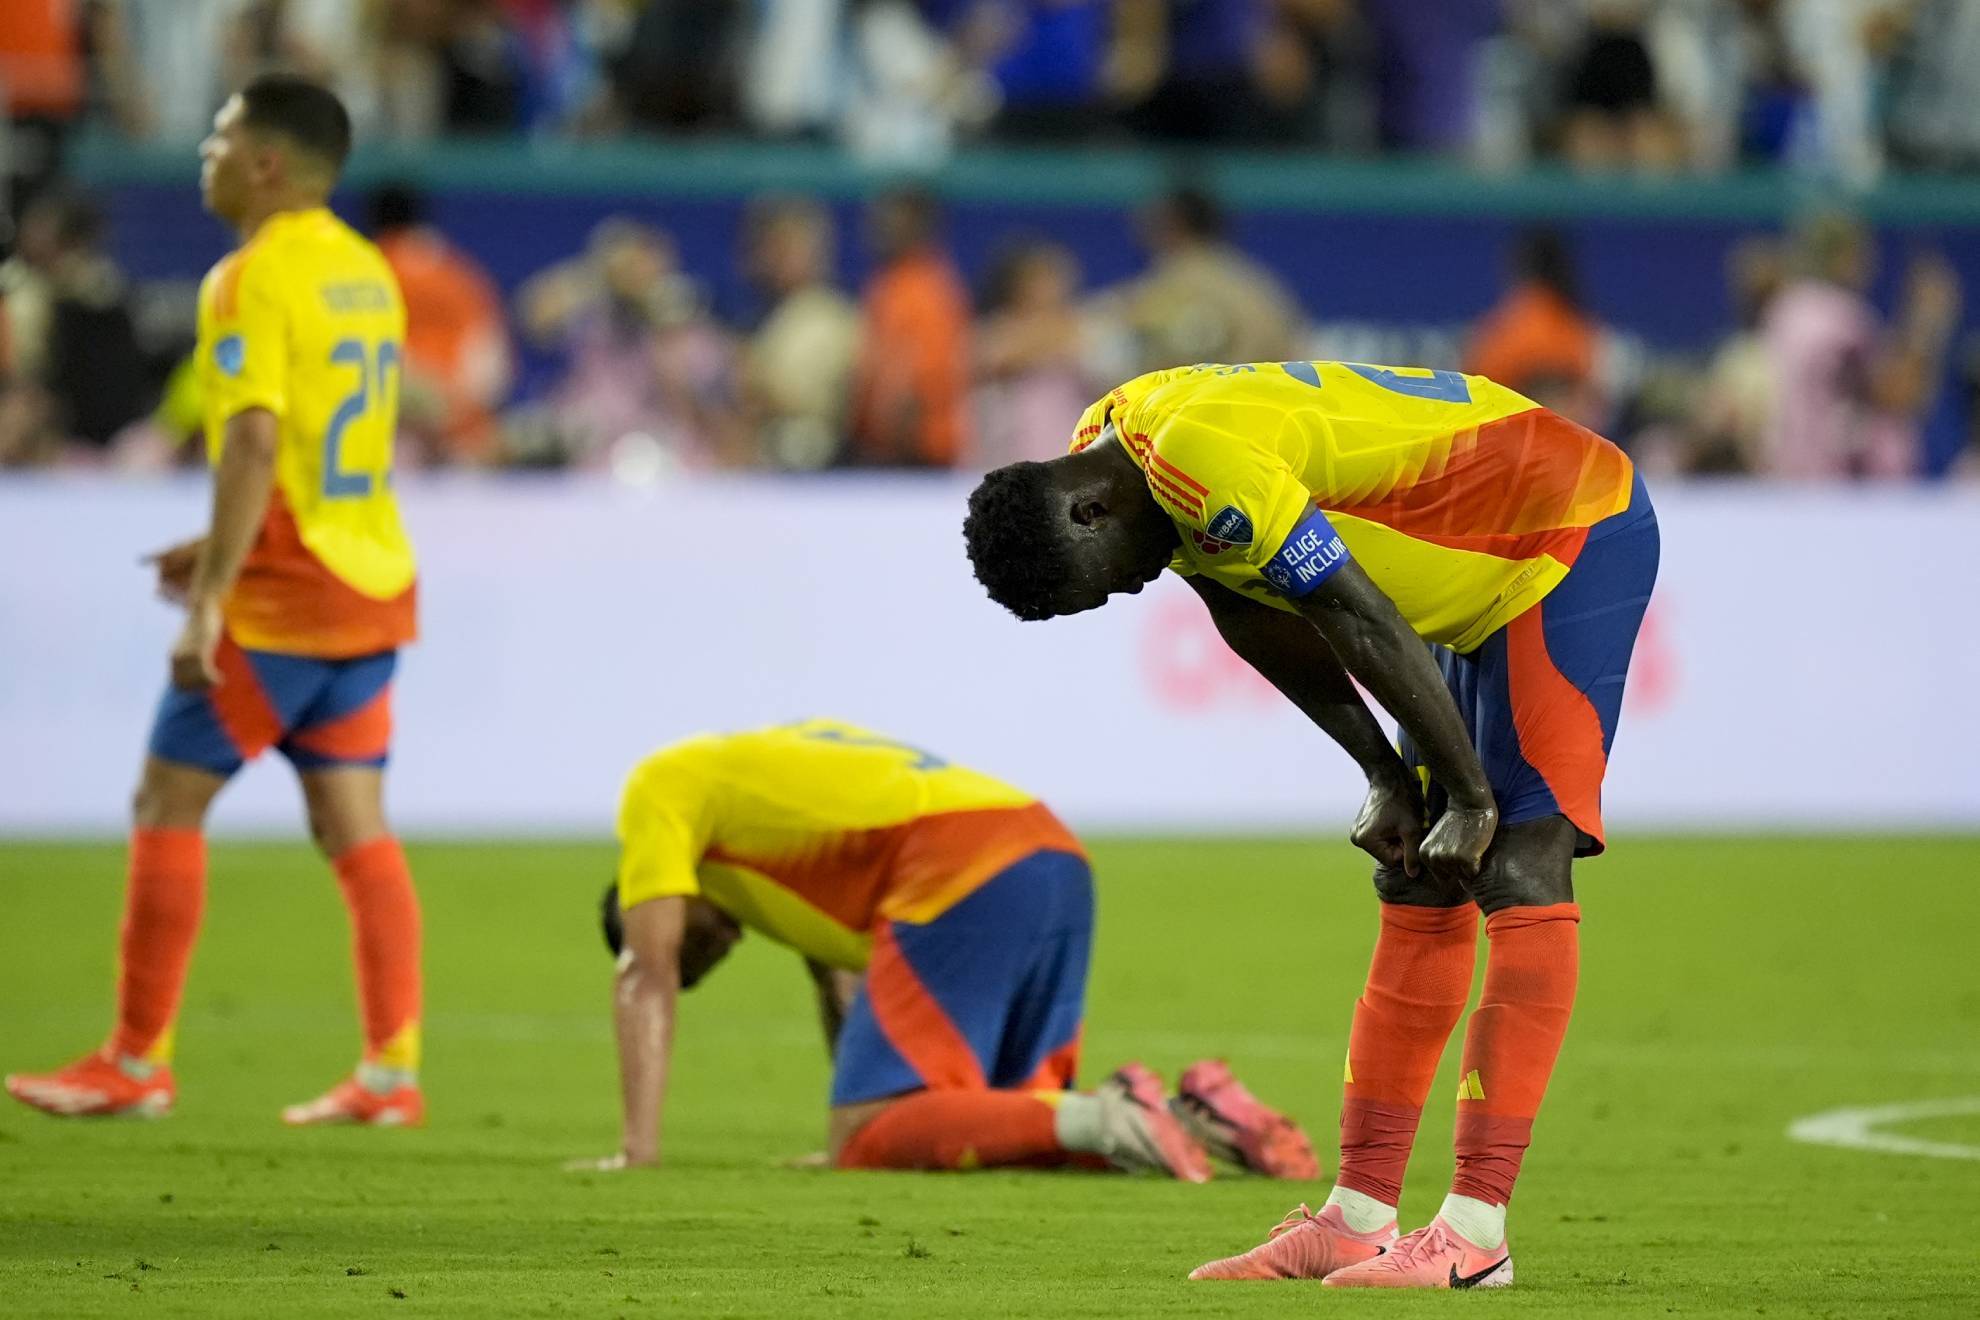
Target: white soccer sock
[380,1080]
[1482,1223]
[1077,1120]
[1364,1214]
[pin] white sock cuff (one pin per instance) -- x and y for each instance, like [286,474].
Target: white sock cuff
[1482,1223]
[1364,1214]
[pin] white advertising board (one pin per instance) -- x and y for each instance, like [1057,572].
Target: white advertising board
[1811,660]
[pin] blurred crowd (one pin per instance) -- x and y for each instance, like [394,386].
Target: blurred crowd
[1840,87]
[614,359]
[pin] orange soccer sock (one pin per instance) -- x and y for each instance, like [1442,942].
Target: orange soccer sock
[162,906]
[1512,1042]
[1417,985]
[959,1130]
[378,890]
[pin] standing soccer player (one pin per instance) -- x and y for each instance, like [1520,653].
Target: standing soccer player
[297,600]
[1335,517]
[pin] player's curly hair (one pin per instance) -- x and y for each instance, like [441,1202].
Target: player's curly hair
[1019,556]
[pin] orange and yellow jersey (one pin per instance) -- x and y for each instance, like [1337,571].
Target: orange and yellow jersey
[1465,502]
[306,321]
[813,833]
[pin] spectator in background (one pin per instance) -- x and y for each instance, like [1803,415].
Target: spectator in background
[188,54]
[1538,339]
[911,93]
[1735,412]
[1614,118]
[644,389]
[1032,382]
[1851,392]
[910,393]
[77,364]
[449,66]
[794,68]
[457,361]
[677,71]
[1935,111]
[795,371]
[1201,300]
[1047,60]
[1184,67]
[1428,54]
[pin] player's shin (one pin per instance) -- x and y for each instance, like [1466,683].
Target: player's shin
[1417,985]
[960,1130]
[1509,1053]
[163,903]
[385,931]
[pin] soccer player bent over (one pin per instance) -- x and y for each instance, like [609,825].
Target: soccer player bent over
[969,909]
[1335,517]
[297,600]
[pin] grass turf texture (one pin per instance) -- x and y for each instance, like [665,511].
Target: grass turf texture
[1728,987]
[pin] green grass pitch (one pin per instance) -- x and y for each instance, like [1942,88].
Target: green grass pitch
[1728,988]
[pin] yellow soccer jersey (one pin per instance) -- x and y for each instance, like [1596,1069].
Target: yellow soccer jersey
[813,832]
[306,321]
[1463,501]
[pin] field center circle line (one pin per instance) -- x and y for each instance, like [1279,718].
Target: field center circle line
[1857,1129]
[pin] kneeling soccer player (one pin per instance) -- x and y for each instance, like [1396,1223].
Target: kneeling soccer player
[967,905]
[1480,565]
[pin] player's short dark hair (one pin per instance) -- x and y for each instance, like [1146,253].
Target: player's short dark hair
[1018,551]
[307,113]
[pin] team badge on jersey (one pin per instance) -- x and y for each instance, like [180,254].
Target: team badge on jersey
[1227,529]
[230,354]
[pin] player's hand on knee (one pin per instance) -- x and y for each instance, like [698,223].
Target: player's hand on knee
[1389,826]
[1455,847]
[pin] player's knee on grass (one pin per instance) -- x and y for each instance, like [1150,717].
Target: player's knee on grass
[1395,885]
[173,797]
[1530,864]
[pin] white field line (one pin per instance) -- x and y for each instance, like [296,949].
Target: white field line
[1857,1129]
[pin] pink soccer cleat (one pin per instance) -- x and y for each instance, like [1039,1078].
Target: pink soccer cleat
[1303,1246]
[350,1102]
[1138,1132]
[97,1086]
[1436,1256]
[1232,1124]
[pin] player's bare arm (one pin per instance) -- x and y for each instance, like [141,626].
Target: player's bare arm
[242,484]
[1378,647]
[644,1001]
[1292,655]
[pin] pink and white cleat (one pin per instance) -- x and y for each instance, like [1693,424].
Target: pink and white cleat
[349,1101]
[1138,1132]
[1233,1124]
[1435,1256]
[1303,1246]
[98,1086]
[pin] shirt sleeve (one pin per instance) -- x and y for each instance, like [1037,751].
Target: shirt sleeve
[248,346]
[1232,495]
[663,832]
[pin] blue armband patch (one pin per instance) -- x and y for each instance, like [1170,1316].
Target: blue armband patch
[1312,553]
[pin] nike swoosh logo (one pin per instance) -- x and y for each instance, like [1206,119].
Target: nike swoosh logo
[1473,1280]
